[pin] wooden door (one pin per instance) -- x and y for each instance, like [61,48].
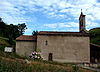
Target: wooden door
[50,57]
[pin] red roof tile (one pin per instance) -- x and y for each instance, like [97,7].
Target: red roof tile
[26,37]
[33,38]
[62,33]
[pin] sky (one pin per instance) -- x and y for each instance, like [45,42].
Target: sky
[50,15]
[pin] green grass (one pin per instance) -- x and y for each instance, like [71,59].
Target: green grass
[11,62]
[4,41]
[10,65]
[4,38]
[19,65]
[10,55]
[13,66]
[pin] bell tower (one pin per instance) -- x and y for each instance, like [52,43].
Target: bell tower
[82,22]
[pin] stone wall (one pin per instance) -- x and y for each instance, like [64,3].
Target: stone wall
[64,48]
[24,48]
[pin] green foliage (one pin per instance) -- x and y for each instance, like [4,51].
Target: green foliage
[2,48]
[34,32]
[2,28]
[95,36]
[21,28]
[75,68]
[11,31]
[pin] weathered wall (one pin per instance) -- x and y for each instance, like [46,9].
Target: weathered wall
[24,48]
[64,48]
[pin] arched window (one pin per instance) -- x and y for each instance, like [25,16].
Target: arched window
[46,42]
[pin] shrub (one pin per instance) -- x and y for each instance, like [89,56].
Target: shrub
[75,68]
[35,56]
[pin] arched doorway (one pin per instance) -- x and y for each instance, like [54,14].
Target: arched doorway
[50,57]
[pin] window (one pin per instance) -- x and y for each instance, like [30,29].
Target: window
[46,42]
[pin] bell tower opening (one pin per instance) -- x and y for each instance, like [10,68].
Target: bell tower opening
[82,22]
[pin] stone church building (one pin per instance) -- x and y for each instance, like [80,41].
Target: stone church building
[58,46]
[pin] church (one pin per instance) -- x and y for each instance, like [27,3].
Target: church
[71,47]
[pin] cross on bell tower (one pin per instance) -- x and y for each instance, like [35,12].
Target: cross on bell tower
[82,22]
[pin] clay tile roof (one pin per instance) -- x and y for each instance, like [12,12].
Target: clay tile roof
[62,33]
[26,37]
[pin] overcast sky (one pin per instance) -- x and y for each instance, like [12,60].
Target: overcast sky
[50,15]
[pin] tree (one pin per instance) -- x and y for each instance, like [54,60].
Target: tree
[13,31]
[22,27]
[95,35]
[34,32]
[0,19]
[2,28]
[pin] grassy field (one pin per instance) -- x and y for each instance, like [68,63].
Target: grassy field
[10,62]
[10,65]
[19,65]
[4,41]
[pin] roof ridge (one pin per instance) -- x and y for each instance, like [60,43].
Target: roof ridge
[26,37]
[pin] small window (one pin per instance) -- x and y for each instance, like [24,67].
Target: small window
[46,42]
